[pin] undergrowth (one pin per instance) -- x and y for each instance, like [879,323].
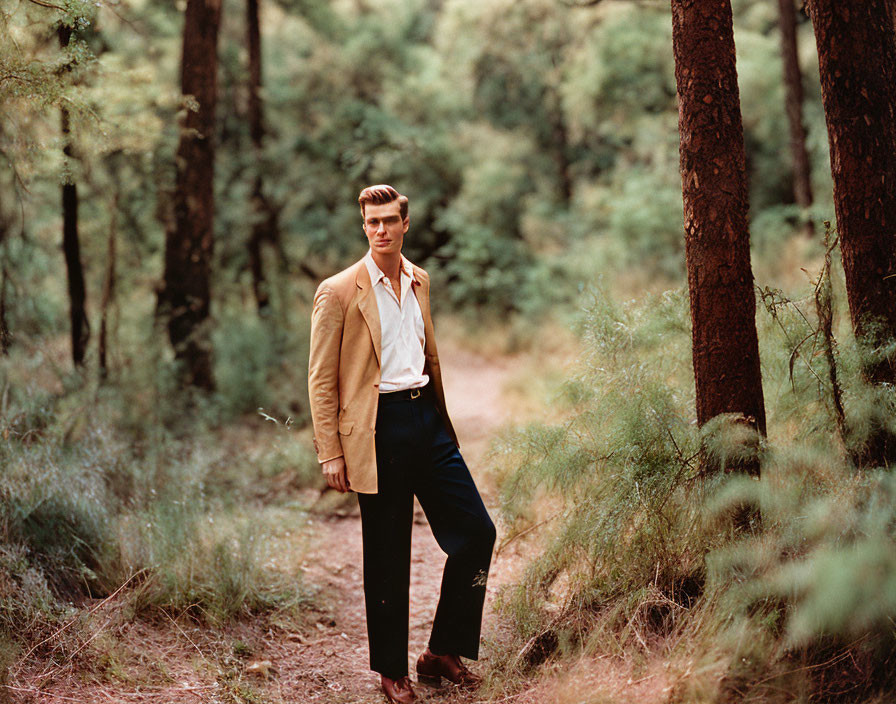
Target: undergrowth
[781,588]
[128,490]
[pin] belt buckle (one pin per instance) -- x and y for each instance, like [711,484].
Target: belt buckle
[415,393]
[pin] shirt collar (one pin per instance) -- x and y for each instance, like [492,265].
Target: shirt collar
[376,274]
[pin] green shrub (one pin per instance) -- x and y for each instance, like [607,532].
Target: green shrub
[96,492]
[245,353]
[613,478]
[191,556]
[631,542]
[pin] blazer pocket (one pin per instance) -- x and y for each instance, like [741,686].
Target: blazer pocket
[345,427]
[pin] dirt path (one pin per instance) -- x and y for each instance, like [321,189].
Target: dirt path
[333,667]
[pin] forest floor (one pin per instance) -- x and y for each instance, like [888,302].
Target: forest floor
[324,658]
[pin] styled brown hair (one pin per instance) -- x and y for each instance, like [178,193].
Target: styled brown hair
[382,194]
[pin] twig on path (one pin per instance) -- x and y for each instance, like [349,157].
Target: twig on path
[50,5]
[183,632]
[509,540]
[79,648]
[31,690]
[89,612]
[195,690]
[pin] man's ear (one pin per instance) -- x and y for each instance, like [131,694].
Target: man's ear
[406,223]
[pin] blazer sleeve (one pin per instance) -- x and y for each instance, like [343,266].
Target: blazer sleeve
[327,320]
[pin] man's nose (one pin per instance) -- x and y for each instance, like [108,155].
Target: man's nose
[381,227]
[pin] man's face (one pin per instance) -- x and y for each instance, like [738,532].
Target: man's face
[384,227]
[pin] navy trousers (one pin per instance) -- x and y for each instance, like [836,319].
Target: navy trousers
[416,456]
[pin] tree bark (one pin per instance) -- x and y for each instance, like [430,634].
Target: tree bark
[857,61]
[793,89]
[108,290]
[4,326]
[717,239]
[5,339]
[560,145]
[264,219]
[189,240]
[71,246]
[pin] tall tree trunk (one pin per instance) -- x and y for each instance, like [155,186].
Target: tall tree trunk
[260,210]
[857,61]
[71,247]
[717,239]
[189,239]
[793,87]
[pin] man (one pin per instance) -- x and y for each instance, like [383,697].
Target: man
[381,429]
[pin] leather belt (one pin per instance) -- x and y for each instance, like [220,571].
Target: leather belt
[405,395]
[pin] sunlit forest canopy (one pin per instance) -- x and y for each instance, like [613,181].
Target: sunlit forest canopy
[537,140]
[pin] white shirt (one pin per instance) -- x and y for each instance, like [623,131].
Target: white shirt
[401,328]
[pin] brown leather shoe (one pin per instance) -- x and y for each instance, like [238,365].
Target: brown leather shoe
[431,668]
[398,691]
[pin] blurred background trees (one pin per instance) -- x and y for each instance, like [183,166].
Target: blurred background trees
[539,143]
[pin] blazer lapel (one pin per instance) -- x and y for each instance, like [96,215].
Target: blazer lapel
[422,293]
[368,308]
[421,290]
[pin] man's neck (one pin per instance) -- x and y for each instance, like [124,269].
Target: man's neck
[389,264]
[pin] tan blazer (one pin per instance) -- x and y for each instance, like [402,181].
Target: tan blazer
[344,370]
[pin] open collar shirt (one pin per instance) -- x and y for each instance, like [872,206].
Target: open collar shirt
[401,325]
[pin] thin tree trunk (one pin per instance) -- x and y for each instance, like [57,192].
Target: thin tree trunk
[71,247]
[264,220]
[793,88]
[108,290]
[256,132]
[253,31]
[4,325]
[857,62]
[717,239]
[4,275]
[189,240]
[560,146]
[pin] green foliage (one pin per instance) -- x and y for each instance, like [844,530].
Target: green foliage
[614,477]
[817,585]
[95,497]
[625,68]
[245,350]
[221,575]
[782,584]
[827,547]
[531,138]
[809,343]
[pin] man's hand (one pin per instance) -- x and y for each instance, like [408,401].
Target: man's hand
[334,471]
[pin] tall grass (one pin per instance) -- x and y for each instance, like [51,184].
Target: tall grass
[636,549]
[136,483]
